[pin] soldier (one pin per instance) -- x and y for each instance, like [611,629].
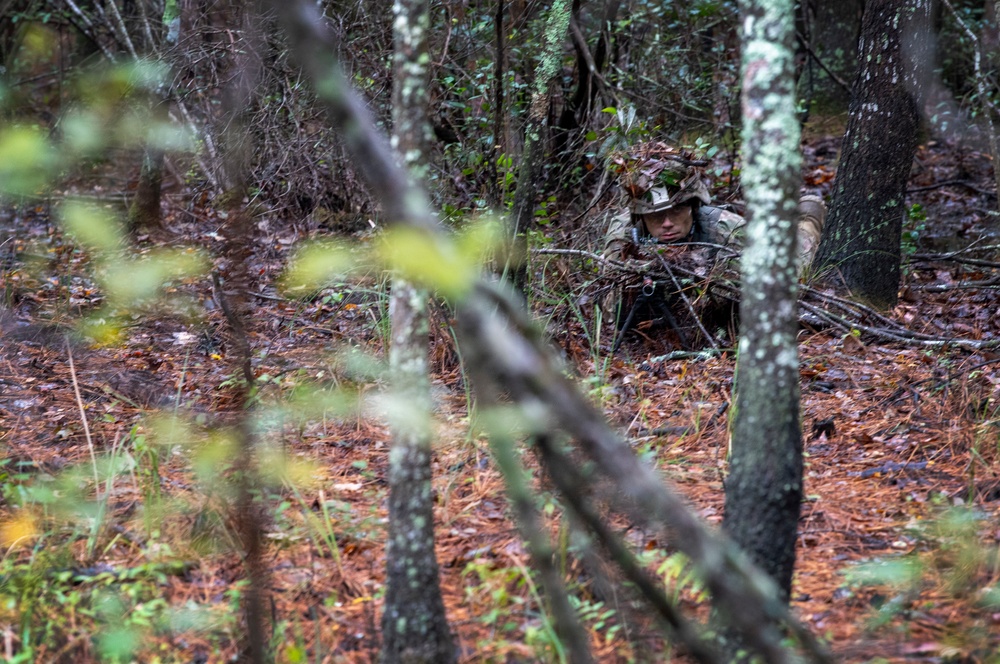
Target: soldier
[674,207]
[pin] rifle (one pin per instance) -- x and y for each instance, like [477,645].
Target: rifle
[647,297]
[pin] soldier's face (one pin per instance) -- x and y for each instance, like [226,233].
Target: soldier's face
[669,225]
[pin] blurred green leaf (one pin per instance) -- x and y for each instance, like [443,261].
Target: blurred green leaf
[103,329]
[83,132]
[169,136]
[314,266]
[430,260]
[990,597]
[130,281]
[213,458]
[146,73]
[118,643]
[900,573]
[278,467]
[27,160]
[480,240]
[92,226]
[170,431]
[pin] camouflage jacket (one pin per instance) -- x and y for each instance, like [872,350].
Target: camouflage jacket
[712,225]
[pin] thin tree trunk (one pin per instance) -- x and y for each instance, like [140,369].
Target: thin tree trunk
[535,132]
[764,486]
[499,144]
[248,512]
[144,211]
[414,627]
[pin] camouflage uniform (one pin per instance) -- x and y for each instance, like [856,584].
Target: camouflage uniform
[712,225]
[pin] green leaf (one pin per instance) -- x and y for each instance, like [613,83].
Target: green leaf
[132,281]
[91,226]
[314,266]
[119,643]
[430,260]
[898,573]
[27,160]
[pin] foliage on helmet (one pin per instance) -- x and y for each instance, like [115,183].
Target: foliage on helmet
[655,166]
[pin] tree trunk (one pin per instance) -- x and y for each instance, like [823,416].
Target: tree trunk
[499,149]
[861,239]
[414,626]
[590,67]
[144,211]
[764,486]
[522,211]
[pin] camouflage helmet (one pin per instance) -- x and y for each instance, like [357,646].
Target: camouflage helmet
[672,187]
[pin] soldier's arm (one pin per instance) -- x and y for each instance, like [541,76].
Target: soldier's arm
[731,231]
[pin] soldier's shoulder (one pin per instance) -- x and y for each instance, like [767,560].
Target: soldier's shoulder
[720,225]
[716,214]
[617,222]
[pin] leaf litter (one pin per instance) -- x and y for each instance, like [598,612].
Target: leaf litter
[895,435]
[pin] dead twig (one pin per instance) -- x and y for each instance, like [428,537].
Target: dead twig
[687,303]
[83,419]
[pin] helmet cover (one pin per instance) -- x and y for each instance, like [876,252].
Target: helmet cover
[673,187]
[657,177]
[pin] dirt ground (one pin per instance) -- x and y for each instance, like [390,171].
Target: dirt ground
[897,435]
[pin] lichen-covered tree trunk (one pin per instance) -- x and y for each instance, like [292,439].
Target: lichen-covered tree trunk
[764,486]
[530,169]
[861,238]
[414,627]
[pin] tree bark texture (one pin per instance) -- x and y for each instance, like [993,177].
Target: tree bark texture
[530,170]
[248,514]
[499,117]
[414,626]
[861,238]
[144,211]
[764,486]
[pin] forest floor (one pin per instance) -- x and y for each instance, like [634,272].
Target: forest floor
[901,443]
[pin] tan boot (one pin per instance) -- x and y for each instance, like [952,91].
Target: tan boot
[812,216]
[812,210]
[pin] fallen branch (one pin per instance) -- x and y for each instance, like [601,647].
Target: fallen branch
[948,183]
[814,303]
